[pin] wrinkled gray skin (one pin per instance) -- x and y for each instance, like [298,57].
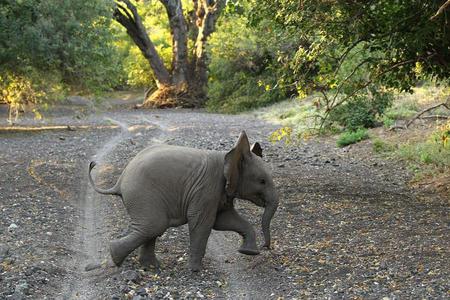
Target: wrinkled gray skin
[168,186]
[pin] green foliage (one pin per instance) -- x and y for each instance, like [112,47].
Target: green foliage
[282,134]
[240,73]
[361,111]
[346,50]
[352,137]
[388,122]
[49,45]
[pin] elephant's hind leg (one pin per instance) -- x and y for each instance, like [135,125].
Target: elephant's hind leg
[141,233]
[120,248]
[147,255]
[230,220]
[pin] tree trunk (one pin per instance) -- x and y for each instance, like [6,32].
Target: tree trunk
[206,23]
[186,82]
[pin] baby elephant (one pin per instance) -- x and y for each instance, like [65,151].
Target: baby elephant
[168,186]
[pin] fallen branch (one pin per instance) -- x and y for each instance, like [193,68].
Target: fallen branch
[437,117]
[420,113]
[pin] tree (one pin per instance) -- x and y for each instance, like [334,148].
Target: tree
[49,47]
[184,83]
[357,50]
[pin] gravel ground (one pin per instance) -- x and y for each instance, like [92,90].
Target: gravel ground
[348,225]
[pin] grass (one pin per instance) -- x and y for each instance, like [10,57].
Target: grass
[425,153]
[380,146]
[299,115]
[352,137]
[407,105]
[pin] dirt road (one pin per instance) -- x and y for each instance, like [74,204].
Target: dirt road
[348,225]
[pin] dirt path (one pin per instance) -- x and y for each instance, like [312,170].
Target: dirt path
[348,225]
[91,233]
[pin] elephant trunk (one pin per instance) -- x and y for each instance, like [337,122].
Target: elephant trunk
[269,211]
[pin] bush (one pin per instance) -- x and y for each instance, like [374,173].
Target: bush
[50,46]
[352,137]
[240,92]
[20,92]
[362,111]
[240,74]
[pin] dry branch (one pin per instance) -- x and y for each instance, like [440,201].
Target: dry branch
[420,113]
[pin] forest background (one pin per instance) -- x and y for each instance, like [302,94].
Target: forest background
[335,66]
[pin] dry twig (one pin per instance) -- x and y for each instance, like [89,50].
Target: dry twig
[420,113]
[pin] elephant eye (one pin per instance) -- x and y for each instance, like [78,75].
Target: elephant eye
[262,181]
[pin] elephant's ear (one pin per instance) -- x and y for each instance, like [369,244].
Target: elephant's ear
[256,148]
[233,163]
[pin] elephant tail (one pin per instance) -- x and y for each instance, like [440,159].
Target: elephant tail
[115,190]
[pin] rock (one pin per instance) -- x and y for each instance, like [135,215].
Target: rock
[142,292]
[125,289]
[4,252]
[20,291]
[92,266]
[16,296]
[131,275]
[140,297]
[78,101]
[12,226]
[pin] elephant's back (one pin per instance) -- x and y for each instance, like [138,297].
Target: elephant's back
[162,166]
[168,156]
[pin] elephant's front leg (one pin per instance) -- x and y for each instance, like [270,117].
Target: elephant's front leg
[198,234]
[230,220]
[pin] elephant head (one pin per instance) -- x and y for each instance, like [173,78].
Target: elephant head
[248,177]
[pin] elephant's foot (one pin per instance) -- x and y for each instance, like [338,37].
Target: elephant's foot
[247,251]
[149,261]
[117,254]
[147,255]
[249,247]
[195,266]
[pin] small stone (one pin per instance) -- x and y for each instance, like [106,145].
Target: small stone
[140,297]
[200,295]
[92,266]
[125,289]
[280,166]
[22,287]
[142,292]
[115,297]
[16,296]
[48,233]
[62,138]
[12,226]
[4,251]
[131,275]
